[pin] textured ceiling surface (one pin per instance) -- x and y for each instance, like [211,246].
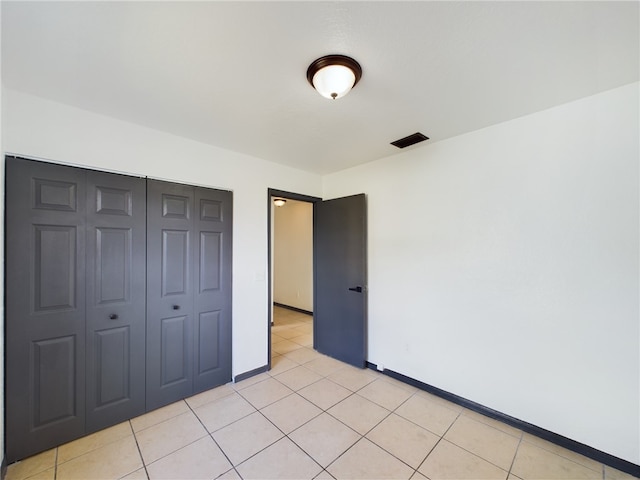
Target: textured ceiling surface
[232,74]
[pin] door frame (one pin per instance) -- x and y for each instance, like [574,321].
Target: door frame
[271,194]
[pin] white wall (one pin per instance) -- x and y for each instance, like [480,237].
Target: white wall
[293,255]
[37,128]
[503,267]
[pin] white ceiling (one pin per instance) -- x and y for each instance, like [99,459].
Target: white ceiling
[232,74]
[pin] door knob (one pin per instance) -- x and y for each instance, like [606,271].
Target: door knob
[176,307]
[356,289]
[113,316]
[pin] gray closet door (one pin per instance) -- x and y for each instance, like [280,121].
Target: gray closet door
[188,290]
[212,303]
[45,306]
[115,286]
[169,293]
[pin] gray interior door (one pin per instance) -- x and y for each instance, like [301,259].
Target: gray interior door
[115,292]
[188,290]
[45,306]
[340,267]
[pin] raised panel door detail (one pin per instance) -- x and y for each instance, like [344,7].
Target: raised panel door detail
[208,341]
[53,370]
[174,348]
[54,279]
[175,266]
[54,195]
[175,206]
[210,210]
[113,201]
[210,261]
[112,365]
[113,265]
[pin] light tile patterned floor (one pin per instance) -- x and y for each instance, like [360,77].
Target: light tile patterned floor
[311,417]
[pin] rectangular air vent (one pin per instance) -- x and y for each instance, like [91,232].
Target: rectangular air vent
[410,140]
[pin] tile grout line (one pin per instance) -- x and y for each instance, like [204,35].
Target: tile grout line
[363,436]
[439,440]
[135,438]
[513,461]
[55,466]
[210,434]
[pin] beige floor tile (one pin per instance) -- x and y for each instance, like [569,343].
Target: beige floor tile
[513,477]
[324,438]
[114,460]
[324,475]
[248,382]
[30,466]
[324,365]
[492,423]
[209,396]
[285,346]
[563,452]
[398,383]
[288,333]
[275,338]
[493,445]
[324,393]
[432,416]
[403,439]
[613,474]
[167,437]
[265,393]
[246,437]
[303,355]
[306,340]
[224,411]
[140,474]
[230,475]
[277,328]
[160,415]
[366,460]
[91,442]
[199,460]
[281,364]
[448,461]
[282,460]
[418,476]
[441,401]
[49,474]
[384,394]
[352,378]
[308,328]
[358,413]
[291,412]
[533,462]
[298,378]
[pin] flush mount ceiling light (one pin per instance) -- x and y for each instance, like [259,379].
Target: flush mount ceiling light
[278,202]
[333,76]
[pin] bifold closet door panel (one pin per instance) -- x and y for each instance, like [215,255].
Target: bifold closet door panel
[116,303]
[212,333]
[45,306]
[170,291]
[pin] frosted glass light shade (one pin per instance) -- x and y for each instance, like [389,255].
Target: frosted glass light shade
[333,76]
[334,81]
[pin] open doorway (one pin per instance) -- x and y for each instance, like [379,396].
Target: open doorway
[291,274]
[339,279]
